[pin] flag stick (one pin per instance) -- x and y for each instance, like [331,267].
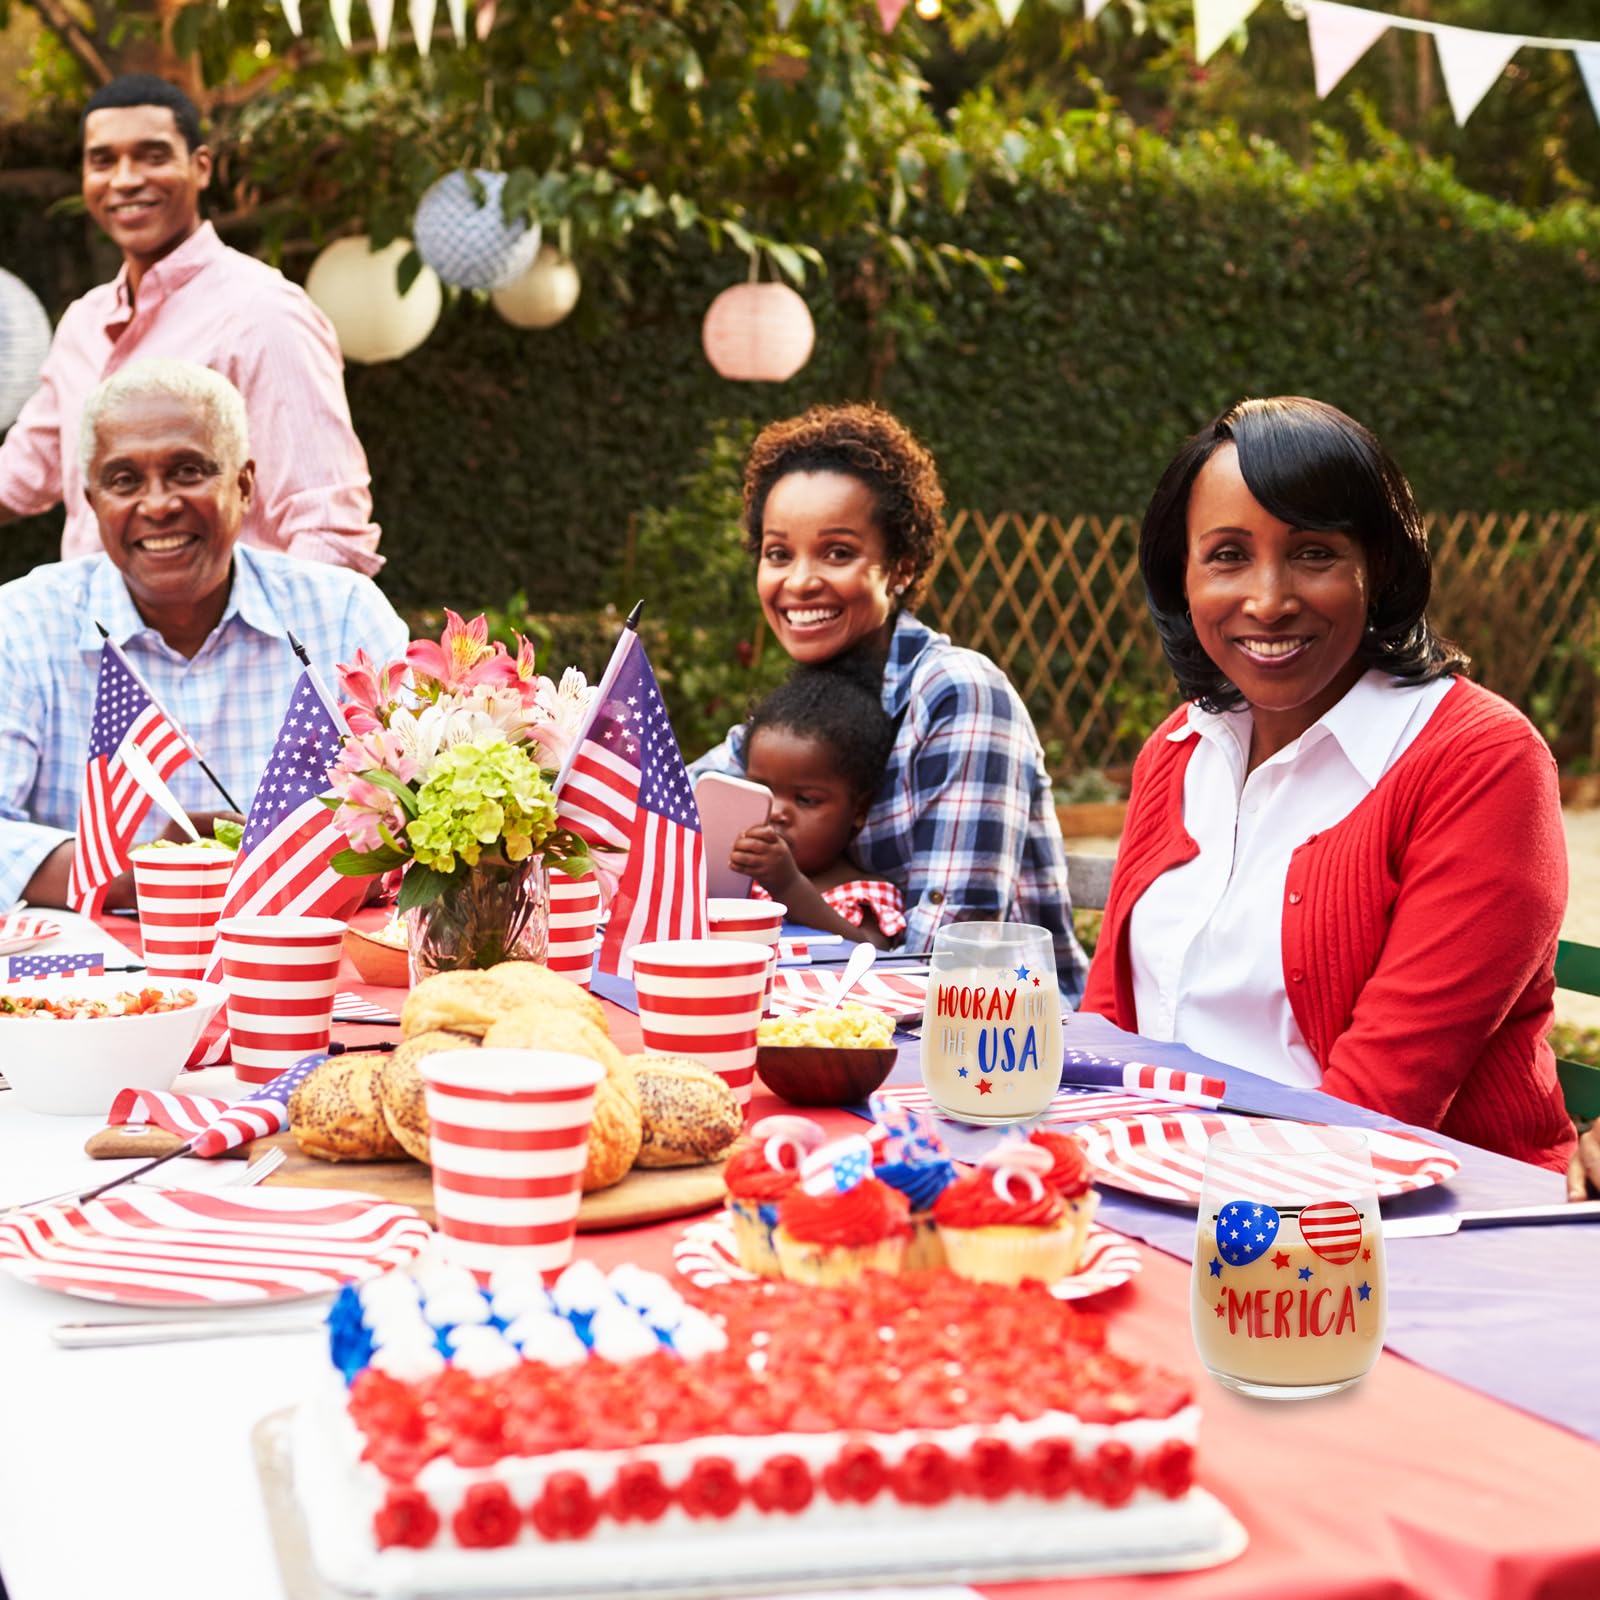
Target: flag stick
[178,728]
[328,703]
[625,641]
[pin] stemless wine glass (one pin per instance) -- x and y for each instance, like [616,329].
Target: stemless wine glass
[991,1024]
[1288,1295]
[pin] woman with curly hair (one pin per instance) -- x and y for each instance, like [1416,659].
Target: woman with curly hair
[1343,862]
[844,515]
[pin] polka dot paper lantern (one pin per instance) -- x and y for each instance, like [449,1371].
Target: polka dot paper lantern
[24,343]
[543,295]
[469,245]
[758,333]
[356,288]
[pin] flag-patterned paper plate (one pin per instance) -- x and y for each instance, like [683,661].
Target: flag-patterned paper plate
[22,930]
[707,1256]
[1069,1105]
[1164,1157]
[190,1247]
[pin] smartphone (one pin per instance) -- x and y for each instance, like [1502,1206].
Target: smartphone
[727,807]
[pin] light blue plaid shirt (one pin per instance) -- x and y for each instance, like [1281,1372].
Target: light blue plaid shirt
[230,698]
[965,820]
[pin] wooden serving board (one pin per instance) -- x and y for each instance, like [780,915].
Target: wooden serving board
[643,1196]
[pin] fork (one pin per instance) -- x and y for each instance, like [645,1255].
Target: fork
[252,1172]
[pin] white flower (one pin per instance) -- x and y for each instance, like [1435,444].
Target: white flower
[566,707]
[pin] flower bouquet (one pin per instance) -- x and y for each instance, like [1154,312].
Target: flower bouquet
[447,772]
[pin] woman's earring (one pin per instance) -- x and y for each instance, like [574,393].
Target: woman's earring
[1187,618]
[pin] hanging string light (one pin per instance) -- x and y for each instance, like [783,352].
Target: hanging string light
[929,9]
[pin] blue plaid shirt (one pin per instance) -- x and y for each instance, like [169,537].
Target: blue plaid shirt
[230,698]
[965,821]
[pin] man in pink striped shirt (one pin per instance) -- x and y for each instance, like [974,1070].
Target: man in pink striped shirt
[183,293]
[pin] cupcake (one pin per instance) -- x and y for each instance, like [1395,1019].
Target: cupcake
[1069,1177]
[840,1221]
[911,1158]
[758,1176]
[1002,1224]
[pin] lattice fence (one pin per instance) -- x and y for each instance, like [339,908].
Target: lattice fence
[1059,605]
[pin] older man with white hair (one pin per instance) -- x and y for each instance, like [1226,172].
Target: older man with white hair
[204,620]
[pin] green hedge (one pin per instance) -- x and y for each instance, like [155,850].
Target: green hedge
[1161,282]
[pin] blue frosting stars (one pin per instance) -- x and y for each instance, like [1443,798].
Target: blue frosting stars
[1364,1290]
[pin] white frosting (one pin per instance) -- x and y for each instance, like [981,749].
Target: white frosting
[512,1293]
[394,1290]
[453,1306]
[409,1362]
[697,1335]
[399,1326]
[581,1287]
[649,1293]
[482,1351]
[440,1277]
[618,1334]
[543,1336]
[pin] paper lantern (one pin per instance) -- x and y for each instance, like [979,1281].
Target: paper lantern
[472,245]
[758,333]
[355,287]
[543,295]
[24,343]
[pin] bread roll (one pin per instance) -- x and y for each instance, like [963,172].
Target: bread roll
[471,1001]
[334,1113]
[402,1095]
[690,1115]
[537,1027]
[615,1134]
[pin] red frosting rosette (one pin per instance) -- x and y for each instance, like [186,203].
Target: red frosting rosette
[846,1218]
[769,1167]
[1006,1191]
[1069,1171]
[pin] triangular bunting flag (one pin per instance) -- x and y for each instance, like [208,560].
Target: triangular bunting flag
[420,15]
[382,14]
[889,13]
[786,10]
[291,15]
[1589,66]
[458,19]
[1008,10]
[1471,62]
[1340,36]
[1215,22]
[339,10]
[1093,8]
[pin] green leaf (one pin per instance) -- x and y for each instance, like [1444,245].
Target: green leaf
[955,177]
[387,780]
[364,863]
[421,886]
[789,263]
[407,273]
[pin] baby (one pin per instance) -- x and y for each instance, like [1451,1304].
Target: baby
[819,742]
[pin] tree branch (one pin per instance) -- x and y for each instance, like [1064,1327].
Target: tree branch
[80,46]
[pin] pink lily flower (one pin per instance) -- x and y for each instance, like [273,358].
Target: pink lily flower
[369,687]
[462,658]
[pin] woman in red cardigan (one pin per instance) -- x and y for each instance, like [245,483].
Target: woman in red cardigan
[1343,864]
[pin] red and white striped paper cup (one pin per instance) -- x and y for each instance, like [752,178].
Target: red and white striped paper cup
[181,889]
[508,1134]
[574,917]
[755,922]
[703,998]
[281,974]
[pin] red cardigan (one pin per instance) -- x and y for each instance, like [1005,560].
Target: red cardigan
[1419,933]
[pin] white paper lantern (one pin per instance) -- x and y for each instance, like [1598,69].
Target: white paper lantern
[24,343]
[758,333]
[543,295]
[472,245]
[356,289]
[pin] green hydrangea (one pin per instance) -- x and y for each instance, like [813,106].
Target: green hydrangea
[483,796]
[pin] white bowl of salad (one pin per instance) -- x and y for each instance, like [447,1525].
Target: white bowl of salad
[69,1045]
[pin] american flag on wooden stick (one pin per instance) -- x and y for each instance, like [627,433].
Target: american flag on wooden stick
[85,964]
[283,867]
[114,803]
[625,788]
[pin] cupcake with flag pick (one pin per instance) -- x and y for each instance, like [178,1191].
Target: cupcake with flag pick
[909,1156]
[1069,1177]
[840,1221]
[758,1177]
[1003,1223]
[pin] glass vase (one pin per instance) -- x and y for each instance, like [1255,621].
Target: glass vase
[496,911]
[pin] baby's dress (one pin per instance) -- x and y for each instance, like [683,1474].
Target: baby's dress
[851,900]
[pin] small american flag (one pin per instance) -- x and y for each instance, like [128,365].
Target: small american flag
[182,1114]
[289,840]
[1159,1083]
[264,1112]
[85,964]
[626,788]
[113,804]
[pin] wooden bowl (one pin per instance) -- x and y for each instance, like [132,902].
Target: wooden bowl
[822,1075]
[377,960]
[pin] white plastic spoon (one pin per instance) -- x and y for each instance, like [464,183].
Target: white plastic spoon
[855,969]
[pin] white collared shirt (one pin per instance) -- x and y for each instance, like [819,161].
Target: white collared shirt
[1207,936]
